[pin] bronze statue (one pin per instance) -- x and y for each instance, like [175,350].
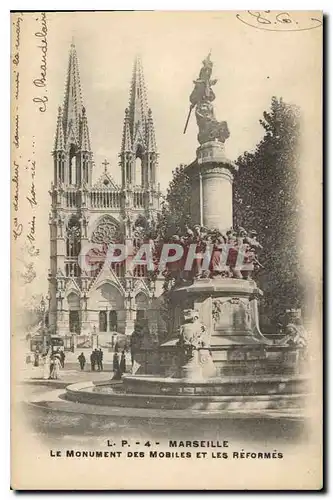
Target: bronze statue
[201,98]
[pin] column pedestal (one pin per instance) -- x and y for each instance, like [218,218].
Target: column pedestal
[211,177]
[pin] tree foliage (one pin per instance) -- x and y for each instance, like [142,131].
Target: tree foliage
[175,216]
[266,198]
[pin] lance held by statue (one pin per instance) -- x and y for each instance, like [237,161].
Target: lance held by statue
[201,99]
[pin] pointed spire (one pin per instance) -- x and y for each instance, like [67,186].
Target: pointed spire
[59,143]
[126,144]
[84,135]
[138,133]
[72,109]
[138,108]
[151,141]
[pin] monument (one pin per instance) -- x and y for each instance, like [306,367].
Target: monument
[225,295]
[215,355]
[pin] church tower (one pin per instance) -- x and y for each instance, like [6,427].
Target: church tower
[87,215]
[72,159]
[138,156]
[72,152]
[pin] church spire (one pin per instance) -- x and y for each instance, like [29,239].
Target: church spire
[84,133]
[59,143]
[151,141]
[138,157]
[72,109]
[138,108]
[138,131]
[126,144]
[72,150]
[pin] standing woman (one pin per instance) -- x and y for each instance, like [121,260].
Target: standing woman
[116,366]
[56,366]
[46,366]
[52,366]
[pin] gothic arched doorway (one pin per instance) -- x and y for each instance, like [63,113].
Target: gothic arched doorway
[73,247]
[103,321]
[74,313]
[141,303]
[113,321]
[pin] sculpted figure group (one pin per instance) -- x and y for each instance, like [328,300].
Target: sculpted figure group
[233,254]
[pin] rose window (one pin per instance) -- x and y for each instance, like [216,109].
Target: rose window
[105,232]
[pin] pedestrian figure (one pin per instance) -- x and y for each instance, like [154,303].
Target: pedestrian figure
[82,360]
[123,363]
[36,358]
[97,359]
[62,358]
[116,366]
[93,361]
[46,366]
[100,359]
[51,365]
[55,364]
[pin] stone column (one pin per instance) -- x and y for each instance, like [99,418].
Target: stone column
[216,175]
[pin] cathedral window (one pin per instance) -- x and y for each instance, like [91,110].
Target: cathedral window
[118,268]
[102,321]
[73,243]
[138,171]
[62,170]
[74,322]
[72,166]
[140,271]
[74,313]
[106,231]
[128,172]
[140,314]
[152,173]
[141,302]
[113,321]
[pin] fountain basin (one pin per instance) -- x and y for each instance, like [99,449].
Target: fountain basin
[232,394]
[227,386]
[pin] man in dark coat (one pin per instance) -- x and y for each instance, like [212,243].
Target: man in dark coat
[62,358]
[100,359]
[93,361]
[82,360]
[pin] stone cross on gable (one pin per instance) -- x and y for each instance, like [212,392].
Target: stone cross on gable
[105,163]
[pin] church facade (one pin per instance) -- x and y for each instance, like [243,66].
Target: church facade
[87,212]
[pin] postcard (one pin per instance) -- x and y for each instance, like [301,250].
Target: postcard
[166,237]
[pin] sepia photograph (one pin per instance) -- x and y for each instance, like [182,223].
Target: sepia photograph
[166,246]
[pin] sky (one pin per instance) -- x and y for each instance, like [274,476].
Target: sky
[251,66]
[172,48]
